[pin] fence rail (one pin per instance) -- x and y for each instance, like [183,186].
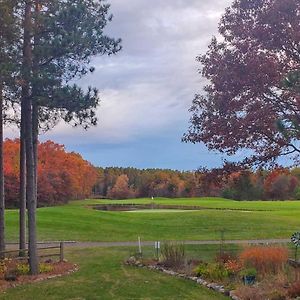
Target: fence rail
[23,253]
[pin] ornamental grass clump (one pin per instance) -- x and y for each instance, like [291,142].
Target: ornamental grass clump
[264,259]
[173,255]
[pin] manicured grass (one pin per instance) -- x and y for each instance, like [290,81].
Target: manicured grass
[103,276]
[78,221]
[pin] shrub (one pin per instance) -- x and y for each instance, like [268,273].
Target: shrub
[3,267]
[173,254]
[297,193]
[229,193]
[233,267]
[45,268]
[6,265]
[213,271]
[294,290]
[202,270]
[248,272]
[265,259]
[224,257]
[250,293]
[22,269]
[267,290]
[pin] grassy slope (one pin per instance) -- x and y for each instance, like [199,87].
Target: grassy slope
[102,276]
[77,222]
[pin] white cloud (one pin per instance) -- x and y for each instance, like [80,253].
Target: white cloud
[148,87]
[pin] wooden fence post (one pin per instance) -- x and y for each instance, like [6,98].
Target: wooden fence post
[61,247]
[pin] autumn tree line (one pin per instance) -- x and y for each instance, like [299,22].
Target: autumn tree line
[62,176]
[239,184]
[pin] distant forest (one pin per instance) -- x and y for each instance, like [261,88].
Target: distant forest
[121,183]
[65,176]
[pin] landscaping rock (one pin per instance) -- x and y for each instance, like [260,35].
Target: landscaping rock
[131,260]
[233,296]
[169,272]
[10,277]
[213,286]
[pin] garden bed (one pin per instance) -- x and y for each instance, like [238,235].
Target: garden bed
[14,273]
[213,286]
[257,272]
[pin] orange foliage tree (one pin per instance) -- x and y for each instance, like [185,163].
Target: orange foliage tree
[62,176]
[121,189]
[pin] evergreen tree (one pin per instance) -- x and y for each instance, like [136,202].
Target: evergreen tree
[7,38]
[60,38]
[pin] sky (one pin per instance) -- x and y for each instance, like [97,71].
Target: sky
[147,88]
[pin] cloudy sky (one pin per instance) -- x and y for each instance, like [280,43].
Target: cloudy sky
[147,89]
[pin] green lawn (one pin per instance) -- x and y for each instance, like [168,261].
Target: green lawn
[103,276]
[78,221]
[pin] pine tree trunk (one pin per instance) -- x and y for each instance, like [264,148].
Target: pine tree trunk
[2,200]
[35,107]
[35,135]
[22,211]
[30,172]
[31,192]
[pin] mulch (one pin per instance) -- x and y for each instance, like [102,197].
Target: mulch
[59,269]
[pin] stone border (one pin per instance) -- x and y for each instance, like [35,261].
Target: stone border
[210,285]
[74,270]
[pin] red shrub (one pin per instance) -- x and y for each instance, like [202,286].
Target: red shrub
[224,257]
[294,290]
[233,266]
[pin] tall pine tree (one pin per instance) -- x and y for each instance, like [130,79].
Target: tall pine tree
[60,38]
[7,56]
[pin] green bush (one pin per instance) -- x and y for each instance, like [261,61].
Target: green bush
[3,267]
[229,193]
[297,193]
[45,268]
[202,270]
[212,271]
[173,254]
[248,272]
[23,269]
